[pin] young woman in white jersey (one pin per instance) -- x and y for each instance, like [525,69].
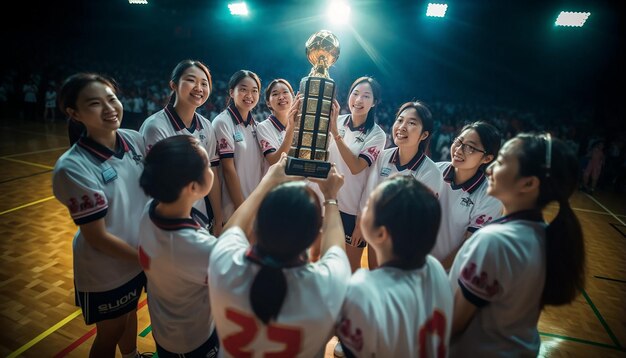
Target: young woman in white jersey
[191,84]
[174,248]
[355,145]
[508,271]
[98,180]
[241,160]
[463,196]
[404,307]
[265,295]
[411,133]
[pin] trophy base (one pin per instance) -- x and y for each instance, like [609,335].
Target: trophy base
[307,167]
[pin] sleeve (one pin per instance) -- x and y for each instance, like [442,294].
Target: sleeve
[485,211]
[224,136]
[372,181]
[231,240]
[373,145]
[211,149]
[152,134]
[354,330]
[263,136]
[81,194]
[196,254]
[485,270]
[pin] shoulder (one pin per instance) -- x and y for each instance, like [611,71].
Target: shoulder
[443,165]
[132,135]
[222,118]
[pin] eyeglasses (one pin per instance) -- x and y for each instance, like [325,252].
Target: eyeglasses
[466,148]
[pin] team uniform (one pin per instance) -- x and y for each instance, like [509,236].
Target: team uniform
[366,145]
[95,182]
[501,269]
[410,317]
[167,123]
[421,167]
[315,292]
[467,207]
[175,254]
[236,139]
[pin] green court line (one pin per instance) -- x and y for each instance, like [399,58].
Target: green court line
[146,331]
[565,338]
[602,321]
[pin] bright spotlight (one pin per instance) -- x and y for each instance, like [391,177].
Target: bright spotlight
[238,8]
[138,2]
[338,12]
[569,18]
[436,10]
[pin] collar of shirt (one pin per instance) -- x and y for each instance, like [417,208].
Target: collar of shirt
[169,224]
[469,186]
[413,164]
[236,116]
[178,123]
[102,153]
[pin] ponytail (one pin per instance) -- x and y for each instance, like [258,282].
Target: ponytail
[268,292]
[75,130]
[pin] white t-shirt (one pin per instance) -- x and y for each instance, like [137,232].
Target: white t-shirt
[95,182]
[390,312]
[366,145]
[501,269]
[236,139]
[421,167]
[315,292]
[175,254]
[465,207]
[167,123]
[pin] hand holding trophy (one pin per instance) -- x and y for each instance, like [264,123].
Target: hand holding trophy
[308,152]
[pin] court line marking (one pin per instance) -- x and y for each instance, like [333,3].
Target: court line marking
[26,205]
[601,319]
[605,209]
[565,338]
[145,332]
[28,163]
[614,226]
[45,334]
[610,279]
[25,176]
[35,152]
[35,133]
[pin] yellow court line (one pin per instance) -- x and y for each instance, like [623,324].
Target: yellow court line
[36,152]
[28,163]
[45,334]
[26,205]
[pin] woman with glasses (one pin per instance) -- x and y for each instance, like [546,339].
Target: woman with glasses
[463,196]
[508,272]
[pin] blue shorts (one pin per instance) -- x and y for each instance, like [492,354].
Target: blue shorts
[100,306]
[349,222]
[208,349]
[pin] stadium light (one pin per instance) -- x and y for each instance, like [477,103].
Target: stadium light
[573,19]
[436,10]
[338,12]
[138,2]
[238,8]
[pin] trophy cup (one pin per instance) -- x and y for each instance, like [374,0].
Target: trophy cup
[308,152]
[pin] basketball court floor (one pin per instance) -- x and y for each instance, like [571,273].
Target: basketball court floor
[37,313]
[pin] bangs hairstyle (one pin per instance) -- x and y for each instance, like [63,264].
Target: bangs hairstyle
[376,93]
[425,116]
[181,67]
[489,137]
[237,77]
[171,164]
[411,213]
[268,90]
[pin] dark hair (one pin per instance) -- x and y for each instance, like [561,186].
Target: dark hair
[376,93]
[424,114]
[240,75]
[181,67]
[489,137]
[159,179]
[68,95]
[288,221]
[565,249]
[268,90]
[402,204]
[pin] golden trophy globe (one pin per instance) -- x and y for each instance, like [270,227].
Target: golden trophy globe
[308,152]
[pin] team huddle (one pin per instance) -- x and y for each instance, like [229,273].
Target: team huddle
[239,259]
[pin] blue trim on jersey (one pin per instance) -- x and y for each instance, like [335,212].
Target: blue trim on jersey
[472,298]
[93,217]
[236,116]
[270,150]
[528,215]
[348,123]
[227,155]
[177,122]
[102,153]
[469,186]
[413,164]
[279,126]
[367,159]
[169,224]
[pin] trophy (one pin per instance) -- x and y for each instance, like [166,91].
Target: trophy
[308,152]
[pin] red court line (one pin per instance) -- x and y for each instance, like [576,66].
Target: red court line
[86,336]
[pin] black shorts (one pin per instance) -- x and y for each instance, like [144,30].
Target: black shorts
[349,222]
[100,306]
[208,349]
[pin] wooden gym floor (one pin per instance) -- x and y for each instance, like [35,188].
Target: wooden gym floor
[37,313]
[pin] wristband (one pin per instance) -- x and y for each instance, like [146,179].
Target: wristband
[330,202]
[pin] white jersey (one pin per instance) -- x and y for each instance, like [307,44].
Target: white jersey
[315,292]
[167,123]
[421,167]
[236,139]
[174,254]
[95,182]
[270,134]
[501,269]
[366,145]
[390,312]
[465,207]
